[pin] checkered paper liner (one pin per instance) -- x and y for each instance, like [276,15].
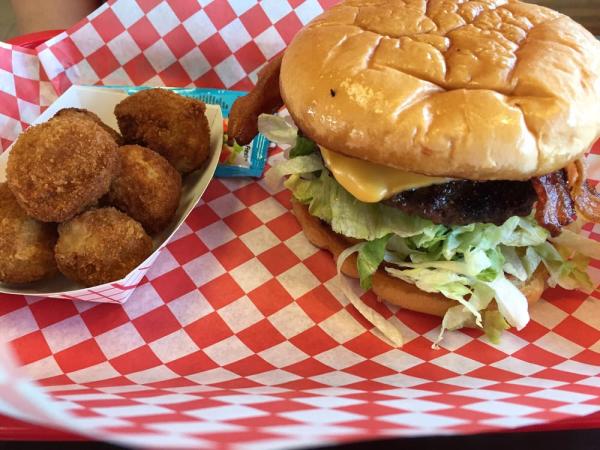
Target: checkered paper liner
[238,337]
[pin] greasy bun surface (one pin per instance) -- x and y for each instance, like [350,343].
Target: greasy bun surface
[492,89]
[386,287]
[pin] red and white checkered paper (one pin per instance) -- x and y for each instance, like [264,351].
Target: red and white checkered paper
[239,337]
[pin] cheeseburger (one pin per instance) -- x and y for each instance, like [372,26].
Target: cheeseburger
[436,150]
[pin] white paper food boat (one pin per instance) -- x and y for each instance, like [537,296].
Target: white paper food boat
[102,101]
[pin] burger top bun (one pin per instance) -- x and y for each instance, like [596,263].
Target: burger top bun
[481,90]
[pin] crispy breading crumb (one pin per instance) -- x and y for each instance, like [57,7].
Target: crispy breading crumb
[88,115]
[61,167]
[147,188]
[26,245]
[100,246]
[168,123]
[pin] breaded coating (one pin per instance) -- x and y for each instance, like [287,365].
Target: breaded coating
[147,188]
[265,98]
[100,246]
[61,167]
[85,114]
[168,123]
[26,245]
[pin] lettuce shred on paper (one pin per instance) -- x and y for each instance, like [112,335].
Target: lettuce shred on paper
[470,264]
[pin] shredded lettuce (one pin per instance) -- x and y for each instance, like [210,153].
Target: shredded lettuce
[303,147]
[277,129]
[447,282]
[494,325]
[568,274]
[577,243]
[300,165]
[512,304]
[370,257]
[385,327]
[513,264]
[330,202]
[472,264]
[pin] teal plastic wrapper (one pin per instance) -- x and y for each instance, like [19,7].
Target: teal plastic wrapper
[238,160]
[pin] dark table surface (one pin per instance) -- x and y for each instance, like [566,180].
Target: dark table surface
[547,440]
[577,433]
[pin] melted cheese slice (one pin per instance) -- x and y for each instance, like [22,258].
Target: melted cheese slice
[370,182]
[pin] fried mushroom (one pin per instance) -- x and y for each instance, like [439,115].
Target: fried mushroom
[26,245]
[88,115]
[168,123]
[60,168]
[100,246]
[147,188]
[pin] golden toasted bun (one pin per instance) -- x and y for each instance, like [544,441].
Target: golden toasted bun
[386,287]
[479,90]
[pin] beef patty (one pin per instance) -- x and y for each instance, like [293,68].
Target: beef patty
[462,202]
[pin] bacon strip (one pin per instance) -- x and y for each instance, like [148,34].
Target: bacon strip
[555,208]
[587,199]
[265,97]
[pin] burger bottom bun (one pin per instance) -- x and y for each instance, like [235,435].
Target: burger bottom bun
[386,287]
